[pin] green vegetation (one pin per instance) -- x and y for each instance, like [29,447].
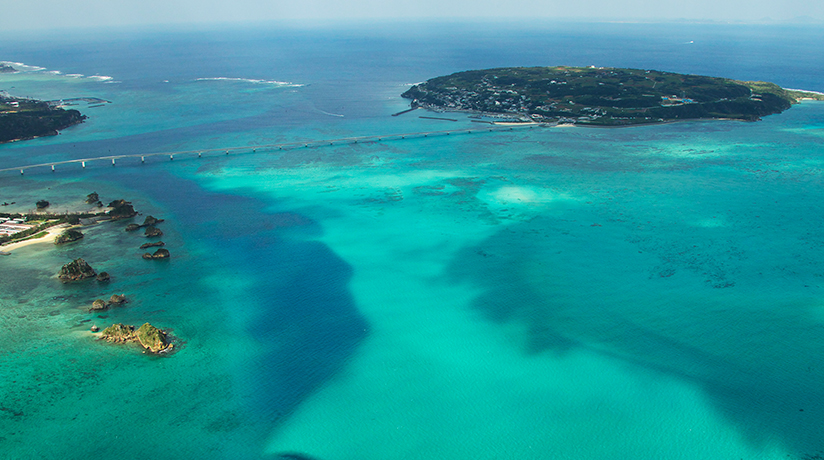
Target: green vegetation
[30,234]
[118,332]
[68,236]
[148,336]
[46,220]
[602,96]
[28,118]
[151,338]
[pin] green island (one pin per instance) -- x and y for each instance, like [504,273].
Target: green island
[22,119]
[602,95]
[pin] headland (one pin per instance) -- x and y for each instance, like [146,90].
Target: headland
[22,118]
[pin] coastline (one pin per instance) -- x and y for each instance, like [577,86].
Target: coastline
[51,234]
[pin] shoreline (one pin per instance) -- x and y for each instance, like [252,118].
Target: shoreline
[51,234]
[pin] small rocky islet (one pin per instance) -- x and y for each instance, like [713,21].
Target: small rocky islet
[159,254]
[152,245]
[76,270]
[114,300]
[149,337]
[68,236]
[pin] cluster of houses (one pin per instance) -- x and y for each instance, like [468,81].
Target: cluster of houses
[675,100]
[9,226]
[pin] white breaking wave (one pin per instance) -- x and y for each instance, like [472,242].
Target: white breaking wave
[251,80]
[20,67]
[330,113]
[804,90]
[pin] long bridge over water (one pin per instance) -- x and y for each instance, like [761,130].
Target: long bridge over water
[82,162]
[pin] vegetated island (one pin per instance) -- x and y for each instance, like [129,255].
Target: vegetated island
[22,119]
[602,95]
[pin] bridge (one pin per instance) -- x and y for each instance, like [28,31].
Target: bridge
[82,162]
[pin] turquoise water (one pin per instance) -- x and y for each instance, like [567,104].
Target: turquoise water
[567,293]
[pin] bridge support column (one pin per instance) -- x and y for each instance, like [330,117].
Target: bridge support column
[112,161]
[83,163]
[227,152]
[171,157]
[52,168]
[21,172]
[200,154]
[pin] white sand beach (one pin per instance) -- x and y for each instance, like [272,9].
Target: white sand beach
[51,234]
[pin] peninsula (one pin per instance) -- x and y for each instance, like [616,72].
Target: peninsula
[602,95]
[22,119]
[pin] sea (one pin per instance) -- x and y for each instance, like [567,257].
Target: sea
[565,293]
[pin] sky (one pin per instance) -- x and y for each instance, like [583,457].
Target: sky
[50,14]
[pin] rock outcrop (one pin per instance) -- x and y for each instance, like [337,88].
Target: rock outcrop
[152,232]
[42,204]
[117,299]
[159,254]
[121,209]
[119,333]
[68,236]
[103,276]
[92,198]
[152,338]
[148,336]
[149,223]
[76,270]
[150,220]
[152,245]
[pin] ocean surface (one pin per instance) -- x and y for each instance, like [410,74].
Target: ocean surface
[653,292]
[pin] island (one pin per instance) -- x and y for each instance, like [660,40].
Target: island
[149,337]
[602,96]
[76,270]
[22,118]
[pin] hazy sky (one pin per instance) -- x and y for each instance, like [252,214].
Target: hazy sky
[36,14]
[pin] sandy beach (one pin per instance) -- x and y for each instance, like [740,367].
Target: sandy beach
[514,123]
[51,234]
